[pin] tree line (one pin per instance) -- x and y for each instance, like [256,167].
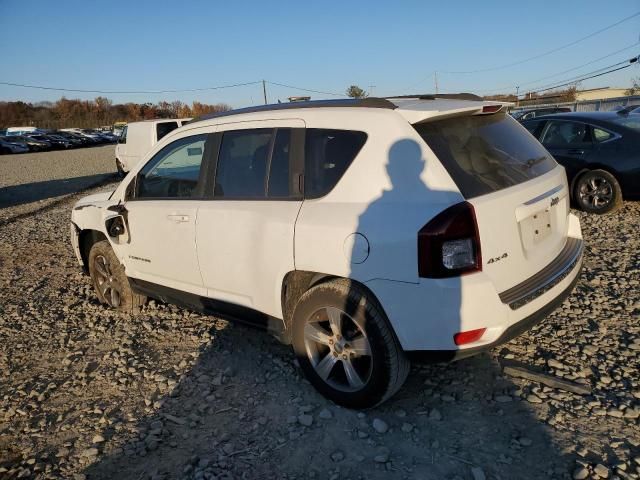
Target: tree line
[70,113]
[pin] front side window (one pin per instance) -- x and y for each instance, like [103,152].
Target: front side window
[560,134]
[242,164]
[328,154]
[174,171]
[278,183]
[164,128]
[485,153]
[532,126]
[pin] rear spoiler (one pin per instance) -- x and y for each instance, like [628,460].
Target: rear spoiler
[451,109]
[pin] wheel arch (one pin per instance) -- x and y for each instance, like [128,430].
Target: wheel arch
[86,239]
[296,282]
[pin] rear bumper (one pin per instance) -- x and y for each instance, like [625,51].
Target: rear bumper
[509,334]
[426,315]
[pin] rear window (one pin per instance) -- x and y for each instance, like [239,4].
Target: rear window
[629,121]
[485,153]
[328,154]
[165,127]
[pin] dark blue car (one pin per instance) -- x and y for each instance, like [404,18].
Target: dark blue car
[600,152]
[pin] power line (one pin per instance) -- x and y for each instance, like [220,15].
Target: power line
[579,78]
[307,90]
[511,87]
[535,57]
[631,61]
[549,52]
[40,87]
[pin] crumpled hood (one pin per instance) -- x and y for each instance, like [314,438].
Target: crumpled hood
[95,198]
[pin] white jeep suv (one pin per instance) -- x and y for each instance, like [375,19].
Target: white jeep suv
[363,232]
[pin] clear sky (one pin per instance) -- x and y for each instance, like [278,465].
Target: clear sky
[324,45]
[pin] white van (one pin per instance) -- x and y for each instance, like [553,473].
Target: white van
[138,137]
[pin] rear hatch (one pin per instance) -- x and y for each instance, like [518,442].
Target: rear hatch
[518,191]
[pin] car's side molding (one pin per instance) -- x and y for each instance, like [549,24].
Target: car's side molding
[209,306]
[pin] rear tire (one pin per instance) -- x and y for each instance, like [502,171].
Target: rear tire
[597,191]
[109,279]
[346,347]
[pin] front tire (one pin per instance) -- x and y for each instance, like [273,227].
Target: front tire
[345,346]
[109,279]
[120,168]
[597,191]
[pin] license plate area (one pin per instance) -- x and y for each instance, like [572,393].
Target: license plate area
[536,228]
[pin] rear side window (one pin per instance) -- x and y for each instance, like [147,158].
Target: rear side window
[278,182]
[600,135]
[242,164]
[164,128]
[328,154]
[485,153]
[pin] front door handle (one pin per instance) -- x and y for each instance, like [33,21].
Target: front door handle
[178,218]
[576,151]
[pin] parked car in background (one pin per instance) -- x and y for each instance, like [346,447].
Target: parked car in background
[84,141]
[33,144]
[139,137]
[57,142]
[600,152]
[361,231]
[8,145]
[522,115]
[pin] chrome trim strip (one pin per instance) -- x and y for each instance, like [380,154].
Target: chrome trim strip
[544,195]
[547,278]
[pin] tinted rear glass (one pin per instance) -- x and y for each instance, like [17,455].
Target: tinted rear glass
[630,121]
[486,153]
[328,154]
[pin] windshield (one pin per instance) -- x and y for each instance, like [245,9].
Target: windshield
[486,153]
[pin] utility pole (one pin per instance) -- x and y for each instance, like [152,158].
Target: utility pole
[517,89]
[435,80]
[264,91]
[371,87]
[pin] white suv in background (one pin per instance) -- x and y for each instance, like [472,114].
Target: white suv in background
[362,232]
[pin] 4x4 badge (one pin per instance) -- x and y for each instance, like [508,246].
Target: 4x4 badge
[554,201]
[497,259]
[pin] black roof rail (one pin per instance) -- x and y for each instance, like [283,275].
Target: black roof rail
[372,102]
[447,96]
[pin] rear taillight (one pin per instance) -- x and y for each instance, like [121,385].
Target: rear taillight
[449,245]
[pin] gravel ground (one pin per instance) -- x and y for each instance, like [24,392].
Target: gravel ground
[168,394]
[30,177]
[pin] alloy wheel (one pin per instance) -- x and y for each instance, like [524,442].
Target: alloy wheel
[106,282]
[338,349]
[596,192]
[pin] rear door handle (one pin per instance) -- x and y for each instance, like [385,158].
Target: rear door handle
[576,151]
[178,218]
